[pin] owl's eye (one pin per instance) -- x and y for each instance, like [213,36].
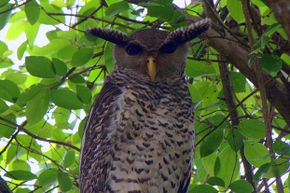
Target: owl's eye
[133,49]
[168,48]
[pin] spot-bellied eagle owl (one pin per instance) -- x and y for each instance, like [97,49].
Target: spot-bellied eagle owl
[139,137]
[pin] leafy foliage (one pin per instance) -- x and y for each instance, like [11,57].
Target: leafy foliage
[47,89]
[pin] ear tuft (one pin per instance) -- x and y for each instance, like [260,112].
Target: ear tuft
[183,35]
[111,35]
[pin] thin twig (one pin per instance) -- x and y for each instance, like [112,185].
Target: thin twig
[226,117]
[37,137]
[17,6]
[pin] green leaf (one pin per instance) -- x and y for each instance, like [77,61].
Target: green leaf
[82,56]
[32,11]
[51,48]
[285,58]
[3,2]
[252,128]
[82,127]
[117,8]
[211,143]
[198,68]
[48,176]
[207,163]
[39,66]
[11,153]
[6,129]
[278,167]
[22,190]
[15,30]
[77,79]
[64,181]
[5,15]
[66,98]
[61,116]
[271,63]
[163,12]
[69,158]
[241,186]
[37,106]
[59,66]
[109,60]
[227,159]
[215,181]
[272,29]
[268,17]
[281,147]
[21,49]
[262,169]
[50,8]
[3,48]
[202,189]
[21,175]
[238,82]
[288,181]
[17,77]
[20,165]
[29,94]
[9,90]
[67,52]
[3,106]
[256,153]
[235,9]
[31,31]
[235,139]
[84,94]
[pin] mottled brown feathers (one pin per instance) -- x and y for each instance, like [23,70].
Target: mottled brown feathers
[192,31]
[111,35]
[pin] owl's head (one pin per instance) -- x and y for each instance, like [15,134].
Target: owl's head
[153,53]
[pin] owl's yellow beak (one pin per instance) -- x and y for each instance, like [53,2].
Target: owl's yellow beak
[151,66]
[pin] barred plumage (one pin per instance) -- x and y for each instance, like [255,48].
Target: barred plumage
[147,136]
[139,137]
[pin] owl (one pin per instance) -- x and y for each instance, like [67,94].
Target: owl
[139,137]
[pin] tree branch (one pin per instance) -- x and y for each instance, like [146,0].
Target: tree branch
[21,128]
[281,12]
[229,98]
[14,7]
[4,187]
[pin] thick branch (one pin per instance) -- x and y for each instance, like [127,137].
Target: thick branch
[281,12]
[228,94]
[229,98]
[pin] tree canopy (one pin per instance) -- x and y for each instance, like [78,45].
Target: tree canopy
[238,71]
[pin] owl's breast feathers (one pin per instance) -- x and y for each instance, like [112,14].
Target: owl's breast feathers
[139,137]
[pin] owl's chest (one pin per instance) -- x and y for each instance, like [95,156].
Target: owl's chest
[154,142]
[158,114]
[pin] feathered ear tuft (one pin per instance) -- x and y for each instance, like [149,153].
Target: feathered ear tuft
[114,36]
[183,35]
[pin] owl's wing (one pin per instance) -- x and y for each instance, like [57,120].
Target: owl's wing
[185,182]
[96,148]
